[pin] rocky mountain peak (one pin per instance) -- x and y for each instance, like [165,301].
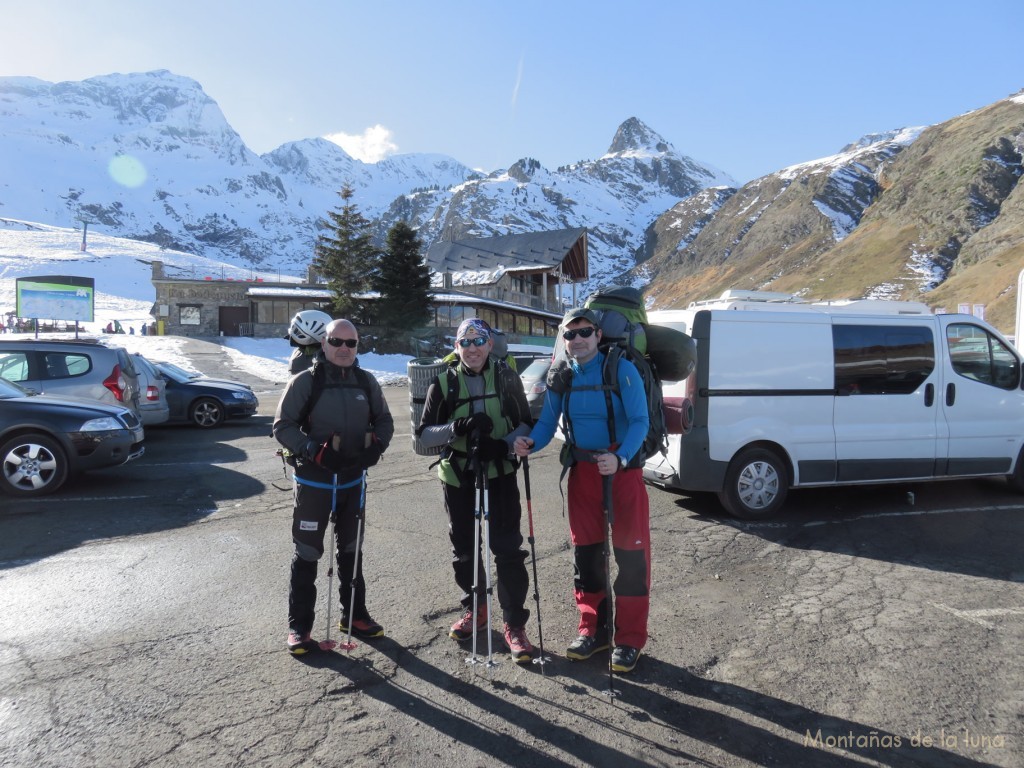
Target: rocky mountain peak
[634,135]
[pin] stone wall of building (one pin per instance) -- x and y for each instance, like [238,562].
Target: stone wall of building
[178,300]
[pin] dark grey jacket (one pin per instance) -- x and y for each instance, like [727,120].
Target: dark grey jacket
[350,404]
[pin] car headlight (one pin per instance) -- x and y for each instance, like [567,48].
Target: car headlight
[240,395]
[105,424]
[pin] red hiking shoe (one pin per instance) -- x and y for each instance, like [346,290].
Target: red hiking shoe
[463,628]
[521,648]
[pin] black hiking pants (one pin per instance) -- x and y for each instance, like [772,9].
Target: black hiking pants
[310,523]
[506,544]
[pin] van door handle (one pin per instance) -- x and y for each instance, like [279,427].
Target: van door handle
[929,395]
[950,394]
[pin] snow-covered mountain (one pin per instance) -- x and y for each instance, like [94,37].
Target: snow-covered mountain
[150,156]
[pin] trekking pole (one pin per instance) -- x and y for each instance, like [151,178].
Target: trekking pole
[473,658]
[542,660]
[327,644]
[360,516]
[609,520]
[487,568]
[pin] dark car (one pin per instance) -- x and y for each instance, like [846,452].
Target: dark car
[44,439]
[204,402]
[534,378]
[167,368]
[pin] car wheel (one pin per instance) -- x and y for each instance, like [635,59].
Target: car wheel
[206,412]
[32,465]
[756,485]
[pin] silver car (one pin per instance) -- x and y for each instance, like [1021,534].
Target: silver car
[82,368]
[153,406]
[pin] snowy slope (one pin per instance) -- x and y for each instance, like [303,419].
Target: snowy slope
[150,156]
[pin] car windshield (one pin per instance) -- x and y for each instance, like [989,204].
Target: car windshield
[177,373]
[536,369]
[8,390]
[144,364]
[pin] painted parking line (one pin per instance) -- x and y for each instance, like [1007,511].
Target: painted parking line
[64,499]
[979,615]
[192,463]
[877,515]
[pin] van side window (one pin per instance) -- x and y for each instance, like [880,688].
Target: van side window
[976,354]
[882,359]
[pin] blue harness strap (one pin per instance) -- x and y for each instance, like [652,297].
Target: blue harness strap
[326,486]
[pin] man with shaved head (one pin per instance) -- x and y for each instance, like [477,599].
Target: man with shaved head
[334,423]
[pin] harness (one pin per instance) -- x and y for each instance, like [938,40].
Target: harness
[326,486]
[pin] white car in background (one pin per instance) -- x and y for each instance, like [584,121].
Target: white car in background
[153,406]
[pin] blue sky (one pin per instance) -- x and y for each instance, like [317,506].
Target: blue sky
[748,87]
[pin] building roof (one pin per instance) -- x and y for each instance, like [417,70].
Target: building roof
[457,297]
[560,250]
[298,292]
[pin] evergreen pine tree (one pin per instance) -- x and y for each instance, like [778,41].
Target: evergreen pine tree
[403,282]
[346,257]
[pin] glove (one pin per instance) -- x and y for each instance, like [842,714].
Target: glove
[371,455]
[492,449]
[480,422]
[335,461]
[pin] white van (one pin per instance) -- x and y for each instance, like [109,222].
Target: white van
[789,394]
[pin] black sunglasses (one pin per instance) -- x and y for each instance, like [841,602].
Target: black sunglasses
[583,333]
[334,341]
[479,341]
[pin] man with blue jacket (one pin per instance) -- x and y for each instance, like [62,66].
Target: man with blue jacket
[593,454]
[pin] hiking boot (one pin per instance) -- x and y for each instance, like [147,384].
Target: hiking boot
[463,628]
[624,658]
[298,642]
[522,650]
[362,627]
[585,646]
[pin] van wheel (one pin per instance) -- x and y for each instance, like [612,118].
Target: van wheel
[1016,480]
[756,485]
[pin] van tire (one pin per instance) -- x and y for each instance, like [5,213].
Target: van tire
[1016,478]
[756,485]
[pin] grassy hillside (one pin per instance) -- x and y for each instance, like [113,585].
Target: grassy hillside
[944,225]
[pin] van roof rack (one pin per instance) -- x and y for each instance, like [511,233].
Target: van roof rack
[738,294]
[878,306]
[734,298]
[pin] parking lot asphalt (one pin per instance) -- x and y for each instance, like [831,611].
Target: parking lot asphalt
[144,616]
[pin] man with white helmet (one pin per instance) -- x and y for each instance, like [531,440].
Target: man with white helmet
[306,333]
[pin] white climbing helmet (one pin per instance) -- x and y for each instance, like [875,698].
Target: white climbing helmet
[309,327]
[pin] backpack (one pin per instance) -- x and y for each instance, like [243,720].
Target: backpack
[625,333]
[449,380]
